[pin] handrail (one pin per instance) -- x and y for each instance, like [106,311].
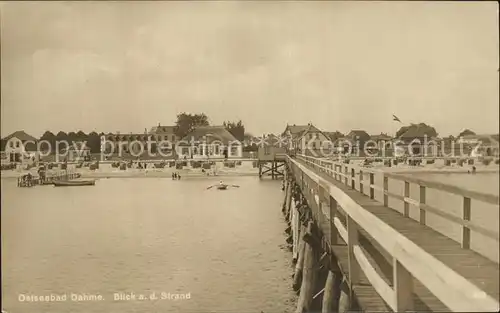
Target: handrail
[463,221]
[453,290]
[481,196]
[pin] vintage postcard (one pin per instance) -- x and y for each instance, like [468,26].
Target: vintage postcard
[249,156]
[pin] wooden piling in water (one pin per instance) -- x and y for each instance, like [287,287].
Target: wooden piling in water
[297,276]
[286,198]
[344,299]
[308,274]
[295,233]
[332,292]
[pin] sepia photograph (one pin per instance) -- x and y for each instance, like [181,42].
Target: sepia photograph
[249,156]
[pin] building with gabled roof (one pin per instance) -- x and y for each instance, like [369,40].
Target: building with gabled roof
[312,138]
[209,141]
[19,146]
[294,131]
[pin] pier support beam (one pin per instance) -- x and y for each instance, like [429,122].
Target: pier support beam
[344,300]
[297,276]
[332,292]
[308,274]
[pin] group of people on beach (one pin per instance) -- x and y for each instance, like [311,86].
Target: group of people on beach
[176,176]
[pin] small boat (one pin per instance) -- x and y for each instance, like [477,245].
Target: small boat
[222,186]
[69,183]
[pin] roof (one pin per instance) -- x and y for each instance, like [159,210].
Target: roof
[21,135]
[312,128]
[334,135]
[484,139]
[210,134]
[358,134]
[295,129]
[382,136]
[127,137]
[162,129]
[415,131]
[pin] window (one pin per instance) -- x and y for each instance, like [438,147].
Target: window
[17,144]
[11,144]
[266,149]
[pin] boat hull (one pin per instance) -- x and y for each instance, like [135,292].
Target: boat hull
[74,183]
[221,187]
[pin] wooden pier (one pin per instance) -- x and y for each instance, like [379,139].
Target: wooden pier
[354,253]
[274,167]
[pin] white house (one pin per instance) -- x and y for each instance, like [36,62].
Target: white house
[209,142]
[20,147]
[314,139]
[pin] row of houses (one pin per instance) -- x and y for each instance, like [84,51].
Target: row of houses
[416,139]
[218,142]
[203,142]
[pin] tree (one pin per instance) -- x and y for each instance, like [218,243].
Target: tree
[237,129]
[186,123]
[335,135]
[50,138]
[72,137]
[428,130]
[402,130]
[61,137]
[466,132]
[81,136]
[94,142]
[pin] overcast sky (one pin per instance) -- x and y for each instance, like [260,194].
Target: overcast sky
[126,66]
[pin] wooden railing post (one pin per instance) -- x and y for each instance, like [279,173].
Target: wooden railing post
[386,190]
[346,172]
[403,287]
[407,195]
[466,230]
[422,201]
[302,179]
[372,182]
[333,228]
[361,182]
[352,240]
[353,178]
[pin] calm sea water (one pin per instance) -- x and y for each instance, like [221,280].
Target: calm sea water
[143,236]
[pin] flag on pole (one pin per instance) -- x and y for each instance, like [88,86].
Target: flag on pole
[395,118]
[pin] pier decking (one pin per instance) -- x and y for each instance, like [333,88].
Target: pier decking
[391,262]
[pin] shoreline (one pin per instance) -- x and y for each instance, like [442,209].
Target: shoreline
[109,172]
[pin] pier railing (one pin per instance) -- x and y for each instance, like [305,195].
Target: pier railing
[409,260]
[354,176]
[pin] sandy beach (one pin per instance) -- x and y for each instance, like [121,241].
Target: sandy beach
[107,171]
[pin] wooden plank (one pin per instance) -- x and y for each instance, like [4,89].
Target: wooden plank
[491,270]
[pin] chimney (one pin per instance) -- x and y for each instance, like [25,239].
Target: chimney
[145,130]
[158,124]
